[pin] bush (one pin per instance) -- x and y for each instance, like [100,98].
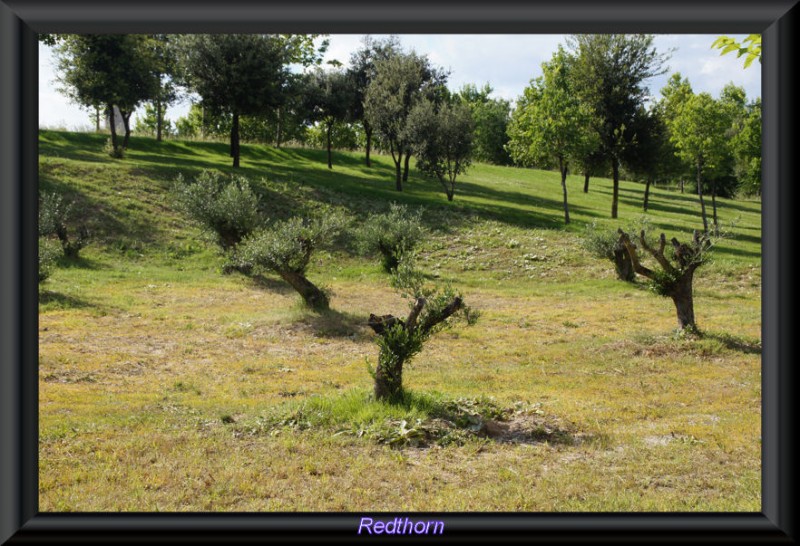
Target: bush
[48,253]
[393,234]
[286,248]
[54,214]
[225,206]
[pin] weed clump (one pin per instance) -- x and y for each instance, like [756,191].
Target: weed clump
[48,253]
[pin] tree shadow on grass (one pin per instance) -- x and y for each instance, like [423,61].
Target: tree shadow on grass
[337,324]
[62,301]
[735,343]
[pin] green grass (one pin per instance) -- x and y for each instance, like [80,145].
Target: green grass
[163,383]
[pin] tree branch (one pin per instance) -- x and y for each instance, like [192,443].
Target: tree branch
[411,321]
[658,254]
[447,312]
[637,265]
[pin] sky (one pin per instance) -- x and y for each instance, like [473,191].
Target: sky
[506,62]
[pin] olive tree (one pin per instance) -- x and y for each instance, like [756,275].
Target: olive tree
[431,309]
[286,248]
[674,276]
[442,139]
[328,98]
[55,215]
[394,234]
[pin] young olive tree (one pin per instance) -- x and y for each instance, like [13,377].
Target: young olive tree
[224,206]
[442,141]
[393,234]
[676,274]
[551,126]
[48,254]
[286,248]
[431,310]
[55,213]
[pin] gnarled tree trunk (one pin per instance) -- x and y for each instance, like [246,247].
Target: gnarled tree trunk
[313,296]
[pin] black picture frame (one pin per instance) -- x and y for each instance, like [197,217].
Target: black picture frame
[20,21]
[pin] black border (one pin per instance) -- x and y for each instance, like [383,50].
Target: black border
[20,521]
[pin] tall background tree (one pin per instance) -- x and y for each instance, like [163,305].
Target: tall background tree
[108,71]
[328,99]
[442,140]
[235,74]
[698,133]
[361,72]
[400,82]
[491,118]
[549,125]
[649,157]
[610,75]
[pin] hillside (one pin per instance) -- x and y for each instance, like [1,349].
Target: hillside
[160,377]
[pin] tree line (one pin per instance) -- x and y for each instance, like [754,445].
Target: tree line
[590,111]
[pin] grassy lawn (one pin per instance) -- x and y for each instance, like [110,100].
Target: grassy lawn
[167,386]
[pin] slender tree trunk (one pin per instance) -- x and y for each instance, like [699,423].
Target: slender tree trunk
[681,185]
[235,139]
[586,181]
[405,169]
[159,120]
[700,194]
[683,299]
[278,129]
[563,168]
[615,197]
[313,296]
[330,128]
[398,160]
[126,122]
[112,125]
[96,119]
[647,192]
[714,206]
[368,134]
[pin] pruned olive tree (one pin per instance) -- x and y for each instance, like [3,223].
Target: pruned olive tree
[675,274]
[606,244]
[286,248]
[431,310]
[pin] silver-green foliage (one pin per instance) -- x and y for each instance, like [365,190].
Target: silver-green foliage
[225,206]
[48,253]
[394,234]
[289,245]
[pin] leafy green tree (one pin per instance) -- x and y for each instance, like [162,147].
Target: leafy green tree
[328,100]
[674,96]
[698,133]
[549,125]
[108,70]
[649,156]
[746,145]
[491,117]
[400,82]
[235,74]
[609,75]
[442,140]
[749,48]
[362,72]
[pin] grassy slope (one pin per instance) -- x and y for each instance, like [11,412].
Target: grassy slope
[145,347]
